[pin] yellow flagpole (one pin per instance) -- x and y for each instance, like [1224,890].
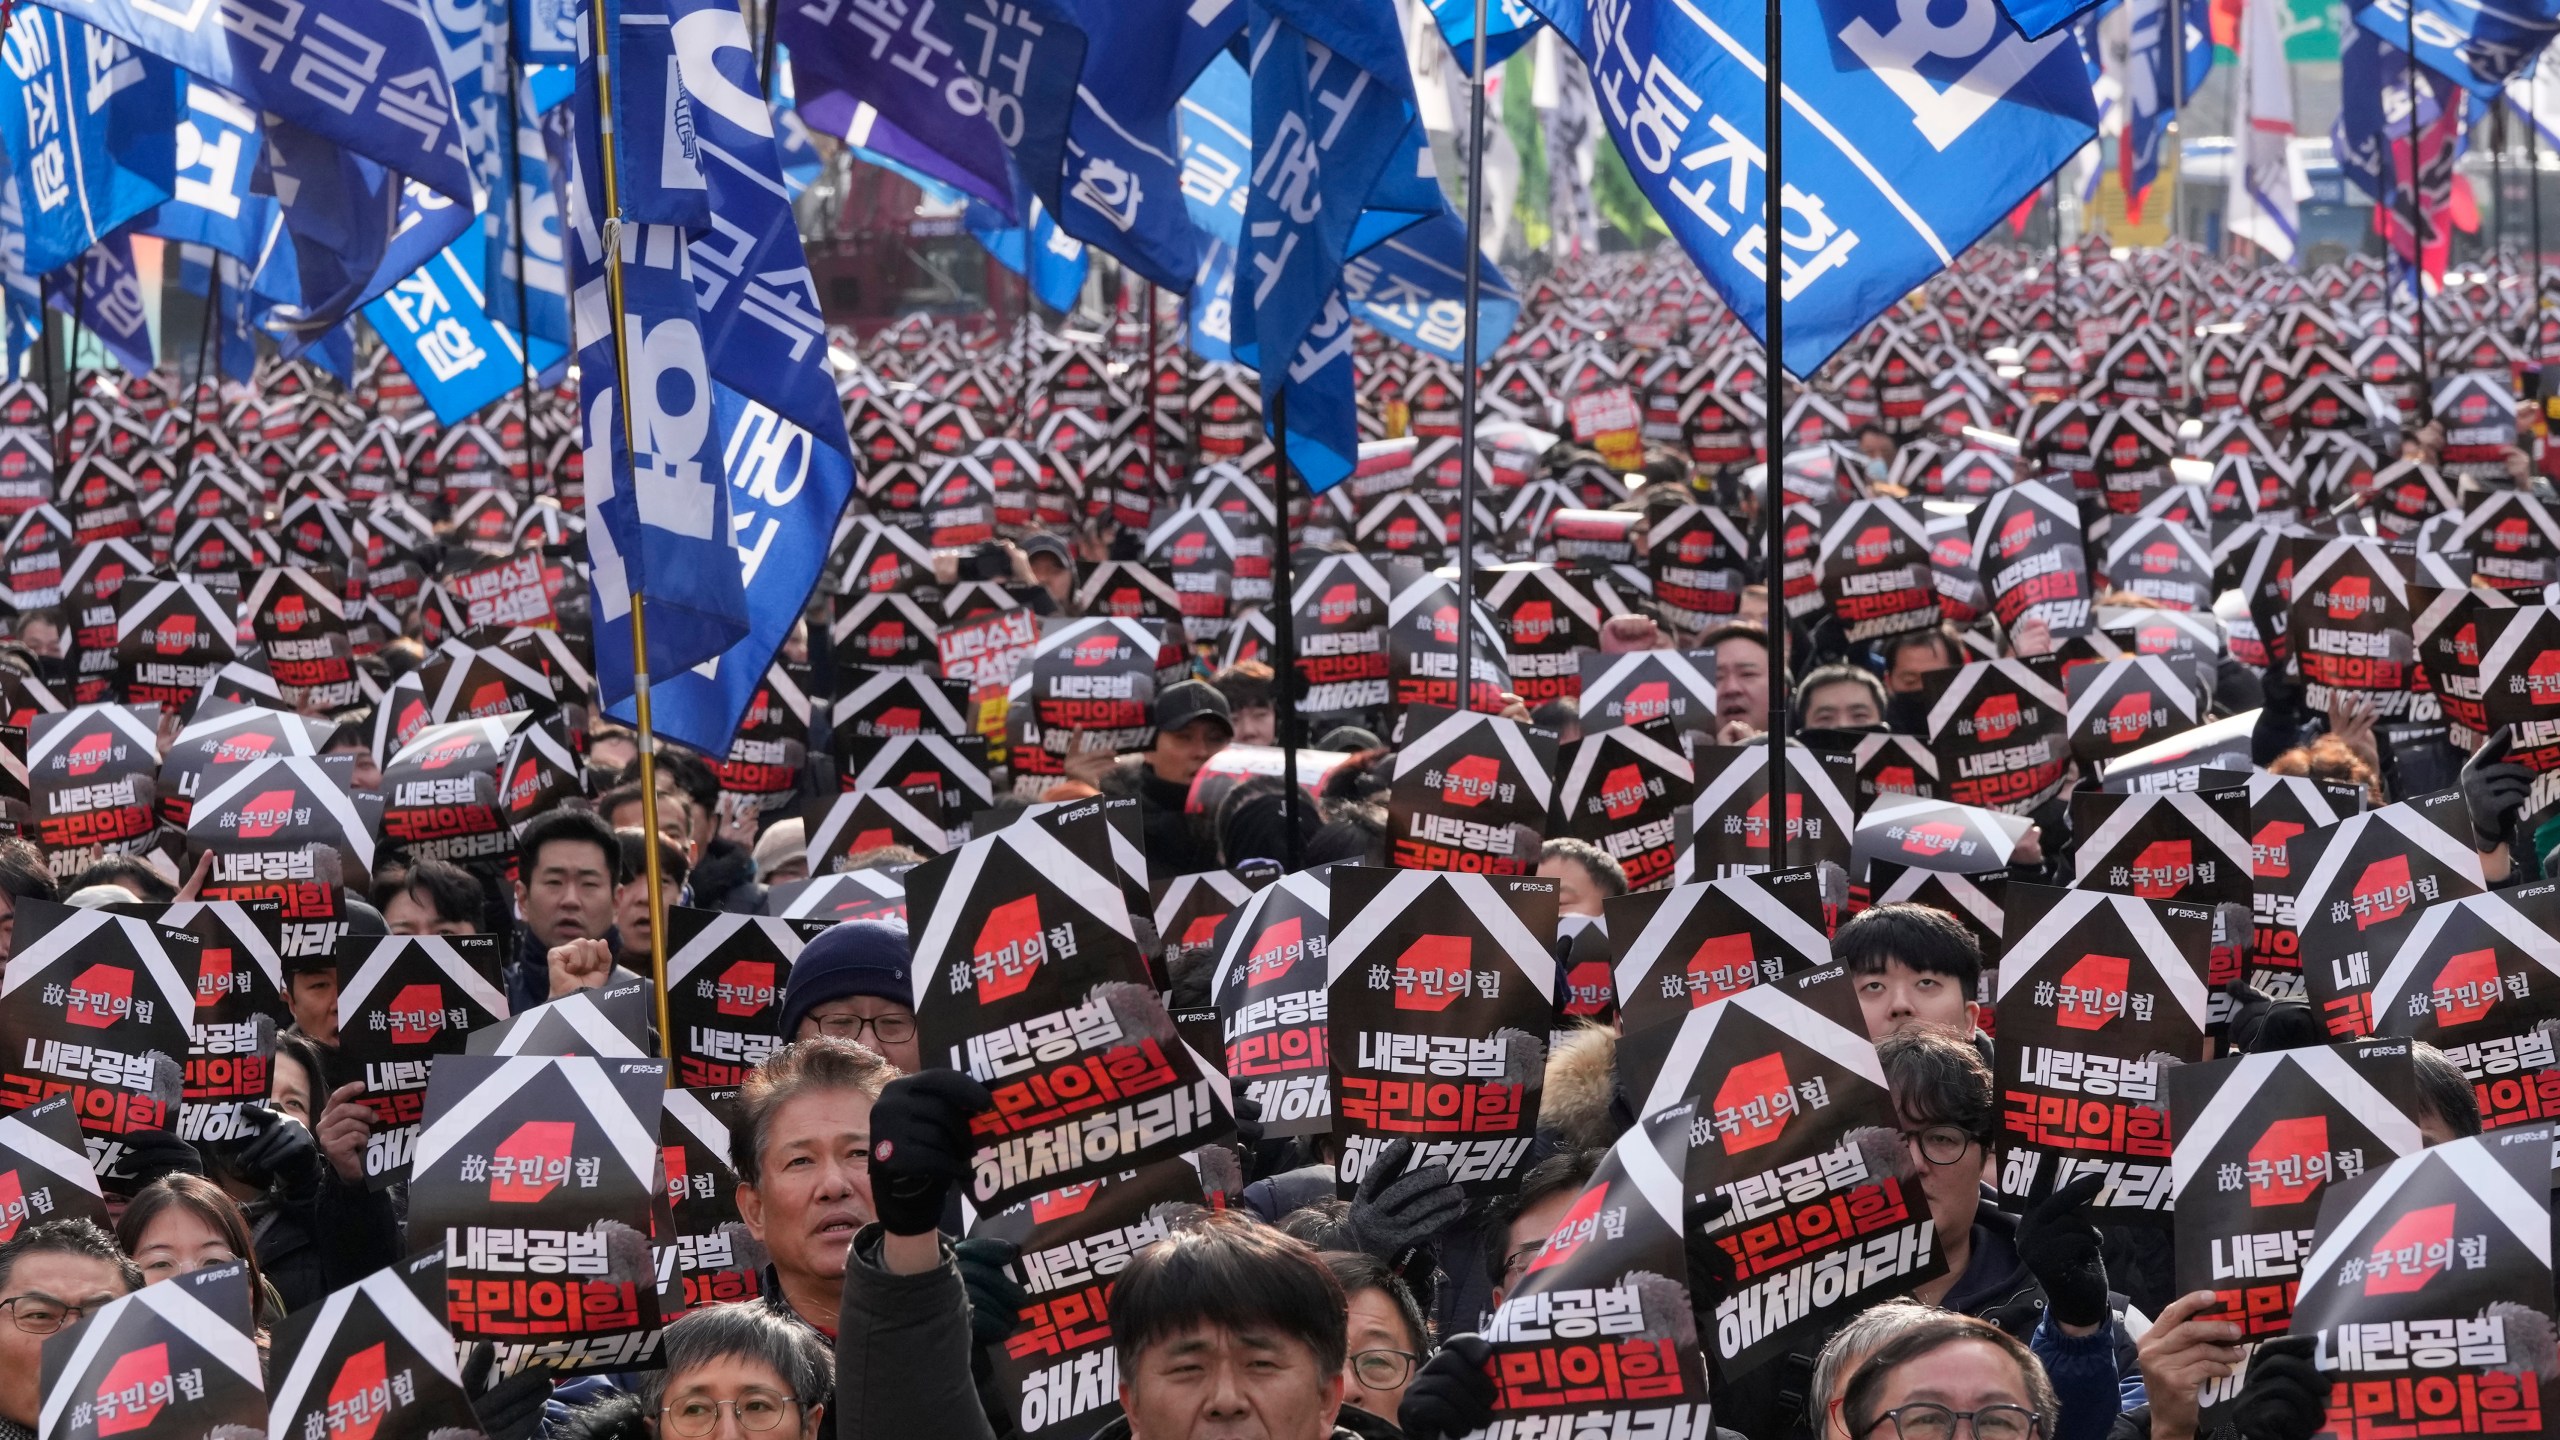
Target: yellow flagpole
[611,225]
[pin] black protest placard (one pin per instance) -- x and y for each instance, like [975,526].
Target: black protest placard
[498,596]
[440,791]
[1643,686]
[1912,832]
[887,632]
[1699,559]
[301,624]
[1547,617]
[374,1359]
[1440,993]
[170,1361]
[92,773]
[2193,759]
[1422,650]
[1469,792]
[223,733]
[1795,1127]
[772,740]
[1589,988]
[876,892]
[1622,789]
[98,1007]
[2367,879]
[92,589]
[1029,978]
[403,1000]
[1270,989]
[2349,624]
[710,1259]
[45,1173]
[2519,664]
[2027,545]
[1191,910]
[239,994]
[1091,685]
[2001,730]
[2427,1293]
[1341,620]
[2513,540]
[171,635]
[2163,560]
[1728,819]
[726,975]
[955,765]
[1053,1373]
[607,1022]
[1599,1332]
[845,827]
[2479,979]
[545,1221]
[2098,995]
[1887,764]
[476,682]
[1677,950]
[2261,1138]
[2185,845]
[1874,560]
[2121,706]
[2282,809]
[285,828]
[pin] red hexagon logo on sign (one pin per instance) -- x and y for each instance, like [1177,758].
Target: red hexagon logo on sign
[2350,596]
[1996,719]
[1744,1097]
[1578,1225]
[532,1162]
[2092,992]
[1622,792]
[264,816]
[1933,837]
[174,635]
[2422,1233]
[1650,700]
[92,752]
[2016,534]
[1433,972]
[1009,950]
[146,1372]
[2163,868]
[2287,1164]
[1533,622]
[2382,892]
[1100,648]
[2270,857]
[2466,988]
[1722,965]
[1338,604]
[361,1377]
[13,1205]
[1470,780]
[1064,1202]
[101,996]
[415,1014]
[746,988]
[1274,952]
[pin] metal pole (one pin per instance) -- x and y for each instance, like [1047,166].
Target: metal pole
[1467,375]
[2417,242]
[612,227]
[2175,19]
[195,387]
[1284,633]
[1147,388]
[765,59]
[515,208]
[71,358]
[2533,192]
[1773,502]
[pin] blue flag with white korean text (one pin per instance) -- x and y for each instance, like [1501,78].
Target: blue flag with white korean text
[1907,139]
[1412,286]
[212,202]
[546,31]
[1052,260]
[436,319]
[527,215]
[348,71]
[658,517]
[1332,120]
[2151,75]
[1508,25]
[103,292]
[357,229]
[90,125]
[21,297]
[901,62]
[2476,46]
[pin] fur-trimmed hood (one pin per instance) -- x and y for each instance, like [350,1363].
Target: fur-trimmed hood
[1580,1107]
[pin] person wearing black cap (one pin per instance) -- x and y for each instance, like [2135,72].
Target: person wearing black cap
[1192,724]
[1054,566]
[851,982]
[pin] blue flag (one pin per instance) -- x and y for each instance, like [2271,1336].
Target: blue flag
[902,63]
[21,297]
[212,203]
[2150,78]
[536,206]
[787,460]
[1332,117]
[546,31]
[1508,25]
[1900,154]
[1051,259]
[357,229]
[347,71]
[1413,286]
[90,126]
[103,292]
[1085,91]
[658,521]
[1217,149]
[1211,313]
[437,321]
[2358,136]
[2479,47]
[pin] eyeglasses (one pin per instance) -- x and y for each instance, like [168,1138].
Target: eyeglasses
[1926,1421]
[888,1029]
[1383,1369]
[1518,1260]
[699,1415]
[43,1315]
[1941,1144]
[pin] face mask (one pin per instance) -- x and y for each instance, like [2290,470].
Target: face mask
[1875,468]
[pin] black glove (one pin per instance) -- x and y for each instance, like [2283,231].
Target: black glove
[151,1154]
[1248,1121]
[1397,1209]
[282,1154]
[1711,1272]
[2284,1398]
[509,1409]
[2494,789]
[2260,1022]
[1452,1394]
[2059,1246]
[996,1299]
[920,1146]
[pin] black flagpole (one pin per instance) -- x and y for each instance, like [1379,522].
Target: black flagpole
[1284,632]
[195,387]
[1772,507]
[2533,192]
[515,208]
[1467,379]
[2417,241]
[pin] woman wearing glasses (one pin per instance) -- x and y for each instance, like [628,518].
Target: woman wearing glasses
[851,983]
[734,1372]
[1387,1341]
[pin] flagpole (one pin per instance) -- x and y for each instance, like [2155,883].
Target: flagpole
[2175,21]
[2417,241]
[1467,376]
[1772,504]
[2533,185]
[612,227]
[1147,387]
[515,208]
[195,387]
[1284,635]
[71,356]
